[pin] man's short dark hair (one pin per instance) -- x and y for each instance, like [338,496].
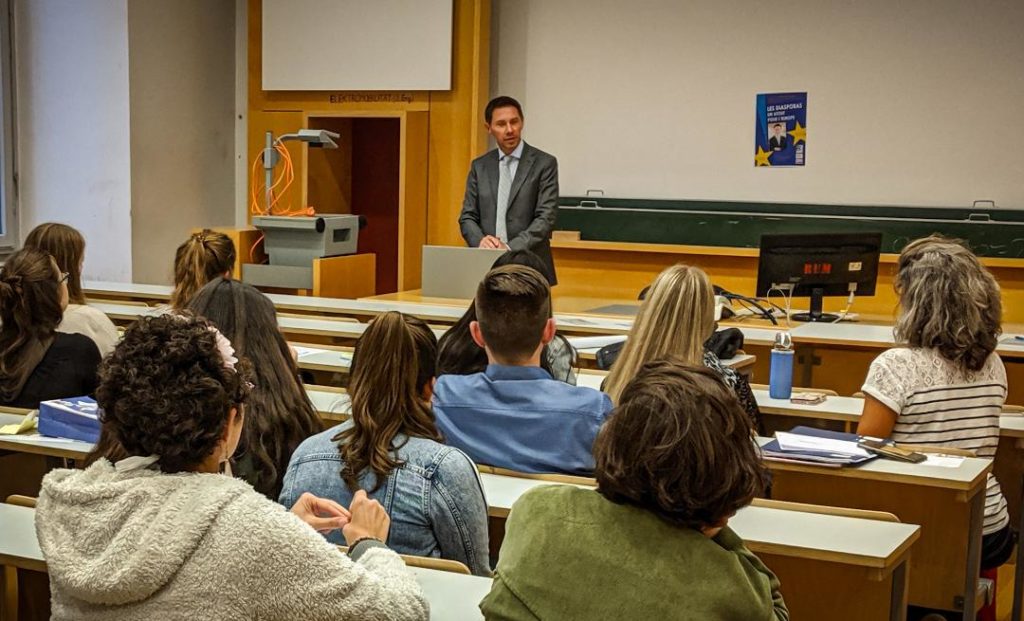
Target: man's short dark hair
[776,124]
[522,257]
[678,445]
[501,101]
[513,304]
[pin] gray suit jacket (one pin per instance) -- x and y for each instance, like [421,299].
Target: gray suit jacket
[533,203]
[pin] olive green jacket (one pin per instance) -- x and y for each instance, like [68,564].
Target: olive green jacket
[571,554]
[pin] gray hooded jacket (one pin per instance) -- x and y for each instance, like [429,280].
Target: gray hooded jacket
[146,545]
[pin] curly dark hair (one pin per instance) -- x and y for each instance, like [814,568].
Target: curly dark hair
[679,445]
[165,391]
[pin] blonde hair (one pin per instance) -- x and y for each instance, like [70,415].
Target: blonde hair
[675,320]
[948,301]
[202,258]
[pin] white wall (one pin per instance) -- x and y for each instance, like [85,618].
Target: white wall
[182,93]
[916,102]
[72,124]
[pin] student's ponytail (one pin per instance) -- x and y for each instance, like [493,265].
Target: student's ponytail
[30,312]
[388,376]
[204,256]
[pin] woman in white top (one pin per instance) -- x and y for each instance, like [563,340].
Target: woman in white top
[67,247]
[945,386]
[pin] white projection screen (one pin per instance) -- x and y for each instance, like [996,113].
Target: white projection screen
[357,45]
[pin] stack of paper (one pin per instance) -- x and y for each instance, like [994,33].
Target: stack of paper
[817,446]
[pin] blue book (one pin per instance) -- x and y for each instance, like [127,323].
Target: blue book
[75,418]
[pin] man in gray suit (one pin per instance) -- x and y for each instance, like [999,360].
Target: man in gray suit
[512,191]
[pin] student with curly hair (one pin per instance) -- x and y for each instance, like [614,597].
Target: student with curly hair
[392,449]
[673,463]
[67,247]
[279,414]
[163,534]
[203,257]
[38,363]
[945,385]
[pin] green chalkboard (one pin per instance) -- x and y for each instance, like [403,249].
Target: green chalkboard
[990,232]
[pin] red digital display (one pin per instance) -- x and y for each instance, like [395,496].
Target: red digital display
[817,269]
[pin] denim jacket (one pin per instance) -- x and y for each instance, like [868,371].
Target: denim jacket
[435,498]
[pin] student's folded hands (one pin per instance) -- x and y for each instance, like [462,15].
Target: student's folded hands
[321,513]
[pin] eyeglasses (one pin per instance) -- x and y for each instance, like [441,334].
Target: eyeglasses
[63,278]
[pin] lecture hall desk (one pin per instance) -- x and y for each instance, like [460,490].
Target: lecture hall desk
[834,567]
[948,503]
[501,493]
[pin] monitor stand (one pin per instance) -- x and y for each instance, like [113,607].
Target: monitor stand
[817,293]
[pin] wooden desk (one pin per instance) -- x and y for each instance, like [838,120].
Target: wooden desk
[948,503]
[333,406]
[853,568]
[592,378]
[36,444]
[453,597]
[437,310]
[332,330]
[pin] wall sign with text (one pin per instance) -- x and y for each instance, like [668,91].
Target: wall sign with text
[780,133]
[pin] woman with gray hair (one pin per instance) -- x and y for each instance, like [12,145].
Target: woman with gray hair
[945,385]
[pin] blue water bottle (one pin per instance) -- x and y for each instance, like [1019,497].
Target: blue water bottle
[780,381]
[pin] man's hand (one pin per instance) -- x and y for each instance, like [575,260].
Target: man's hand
[490,241]
[320,513]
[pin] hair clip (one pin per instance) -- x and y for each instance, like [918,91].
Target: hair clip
[224,348]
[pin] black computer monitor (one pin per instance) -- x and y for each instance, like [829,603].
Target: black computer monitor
[817,265]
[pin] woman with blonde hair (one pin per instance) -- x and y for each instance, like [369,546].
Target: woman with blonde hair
[675,319]
[67,247]
[391,447]
[944,385]
[202,258]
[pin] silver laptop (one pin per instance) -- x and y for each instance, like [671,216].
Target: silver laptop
[455,272]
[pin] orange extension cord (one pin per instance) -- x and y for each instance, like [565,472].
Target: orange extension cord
[277,190]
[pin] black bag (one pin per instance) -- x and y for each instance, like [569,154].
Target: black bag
[725,343]
[606,355]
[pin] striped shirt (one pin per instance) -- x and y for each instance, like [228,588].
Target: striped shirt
[939,404]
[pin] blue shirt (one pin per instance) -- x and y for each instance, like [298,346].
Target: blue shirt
[521,419]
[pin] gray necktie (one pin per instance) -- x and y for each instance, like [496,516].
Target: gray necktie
[504,187]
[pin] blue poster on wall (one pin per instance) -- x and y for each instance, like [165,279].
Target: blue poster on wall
[780,134]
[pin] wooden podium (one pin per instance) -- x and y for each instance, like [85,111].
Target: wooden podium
[351,276]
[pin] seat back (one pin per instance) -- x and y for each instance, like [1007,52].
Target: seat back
[21,501]
[429,562]
[865,514]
